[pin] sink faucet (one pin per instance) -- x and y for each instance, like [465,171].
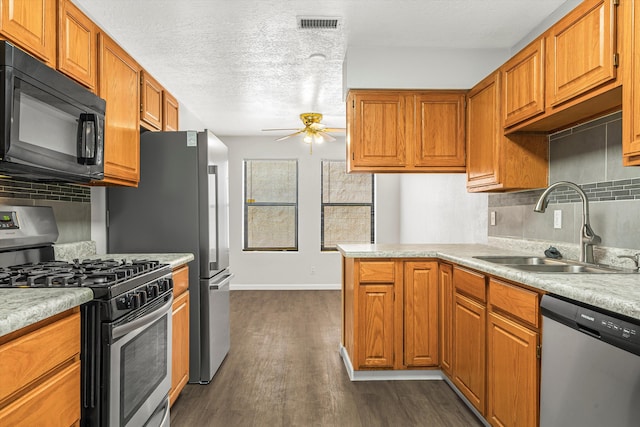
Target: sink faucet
[588,237]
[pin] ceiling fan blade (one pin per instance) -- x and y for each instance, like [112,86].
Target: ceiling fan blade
[334,129]
[327,136]
[289,136]
[282,129]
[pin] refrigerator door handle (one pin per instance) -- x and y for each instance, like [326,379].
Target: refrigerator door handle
[222,283]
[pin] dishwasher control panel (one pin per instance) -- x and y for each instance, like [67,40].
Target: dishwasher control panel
[602,325]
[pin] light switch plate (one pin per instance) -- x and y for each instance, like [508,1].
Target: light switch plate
[557,219]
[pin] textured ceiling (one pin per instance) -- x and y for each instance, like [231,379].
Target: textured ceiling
[242,65]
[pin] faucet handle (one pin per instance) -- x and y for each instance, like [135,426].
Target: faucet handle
[635,258]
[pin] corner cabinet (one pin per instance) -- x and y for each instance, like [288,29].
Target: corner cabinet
[445,307]
[498,162]
[405,131]
[77,45]
[119,85]
[40,372]
[631,86]
[170,112]
[179,333]
[31,24]
[390,313]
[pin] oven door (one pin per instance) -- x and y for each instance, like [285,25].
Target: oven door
[139,365]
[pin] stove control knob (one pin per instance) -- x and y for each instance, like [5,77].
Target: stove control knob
[122,302]
[135,300]
[142,295]
[154,290]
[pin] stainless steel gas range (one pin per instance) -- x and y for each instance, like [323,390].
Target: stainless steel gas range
[126,328]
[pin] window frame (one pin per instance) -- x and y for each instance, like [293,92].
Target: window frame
[247,205]
[323,248]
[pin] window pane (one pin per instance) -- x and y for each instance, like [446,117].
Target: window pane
[346,224]
[271,227]
[271,181]
[340,187]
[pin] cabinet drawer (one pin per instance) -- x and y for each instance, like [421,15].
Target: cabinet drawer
[56,402]
[470,283]
[520,303]
[30,356]
[377,272]
[180,280]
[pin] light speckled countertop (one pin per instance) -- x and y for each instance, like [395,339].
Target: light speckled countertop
[23,307]
[619,293]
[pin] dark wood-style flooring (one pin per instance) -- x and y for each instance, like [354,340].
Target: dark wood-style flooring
[284,370]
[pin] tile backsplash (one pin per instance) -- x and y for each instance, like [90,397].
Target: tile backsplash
[71,204]
[589,155]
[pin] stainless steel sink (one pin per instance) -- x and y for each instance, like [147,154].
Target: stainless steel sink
[528,260]
[549,265]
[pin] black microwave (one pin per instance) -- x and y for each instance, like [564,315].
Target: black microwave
[51,128]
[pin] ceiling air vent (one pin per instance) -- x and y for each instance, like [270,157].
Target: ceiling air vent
[318,23]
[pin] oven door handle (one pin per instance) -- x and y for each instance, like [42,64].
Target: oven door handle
[122,330]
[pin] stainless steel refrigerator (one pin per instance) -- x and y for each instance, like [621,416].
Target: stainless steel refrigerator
[182,205]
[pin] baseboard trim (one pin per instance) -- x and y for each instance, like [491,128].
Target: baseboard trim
[422,374]
[286,287]
[466,402]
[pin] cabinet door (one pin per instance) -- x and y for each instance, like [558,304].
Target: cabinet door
[375,326]
[170,109]
[439,130]
[631,86]
[469,350]
[120,86]
[420,313]
[523,84]
[445,284]
[31,24]
[77,45]
[377,129]
[180,346]
[513,374]
[151,105]
[580,51]
[483,132]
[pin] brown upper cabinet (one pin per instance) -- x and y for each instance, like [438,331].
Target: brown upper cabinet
[523,76]
[498,162]
[119,85]
[77,45]
[31,24]
[631,90]
[150,102]
[568,74]
[170,112]
[405,131]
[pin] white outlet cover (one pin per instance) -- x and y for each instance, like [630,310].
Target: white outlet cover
[557,219]
[493,218]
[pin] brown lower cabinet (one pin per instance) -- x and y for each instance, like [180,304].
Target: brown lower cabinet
[390,313]
[180,333]
[40,373]
[482,332]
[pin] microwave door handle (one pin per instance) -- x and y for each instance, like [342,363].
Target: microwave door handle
[87,139]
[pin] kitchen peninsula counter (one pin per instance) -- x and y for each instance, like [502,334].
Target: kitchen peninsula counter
[619,293]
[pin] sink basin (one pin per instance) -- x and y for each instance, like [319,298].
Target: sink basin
[548,265]
[520,260]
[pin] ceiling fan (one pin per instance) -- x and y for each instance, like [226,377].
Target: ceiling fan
[313,130]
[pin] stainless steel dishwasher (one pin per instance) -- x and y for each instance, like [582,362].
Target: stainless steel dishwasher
[590,366]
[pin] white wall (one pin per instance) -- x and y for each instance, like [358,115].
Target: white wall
[437,208]
[418,68]
[308,268]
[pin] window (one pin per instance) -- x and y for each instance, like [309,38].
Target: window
[271,205]
[347,206]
